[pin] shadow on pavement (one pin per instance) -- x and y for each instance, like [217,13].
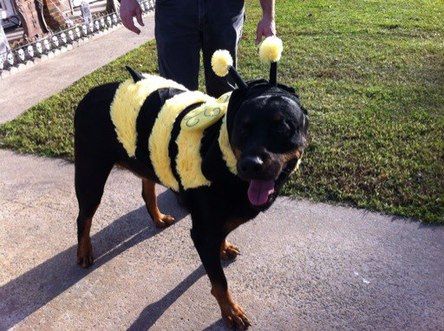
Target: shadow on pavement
[218,325]
[149,316]
[154,311]
[24,295]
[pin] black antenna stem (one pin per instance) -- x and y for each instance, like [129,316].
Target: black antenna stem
[273,73]
[237,78]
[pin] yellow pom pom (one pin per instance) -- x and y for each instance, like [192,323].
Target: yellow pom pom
[271,49]
[221,61]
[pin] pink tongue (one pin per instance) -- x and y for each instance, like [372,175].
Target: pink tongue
[259,191]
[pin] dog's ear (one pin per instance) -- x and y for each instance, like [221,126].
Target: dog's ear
[288,89]
[236,99]
[257,82]
[137,76]
[292,91]
[255,87]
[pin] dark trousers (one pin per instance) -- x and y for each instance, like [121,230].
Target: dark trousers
[186,27]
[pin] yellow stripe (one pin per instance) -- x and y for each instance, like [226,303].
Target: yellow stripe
[126,105]
[225,147]
[161,134]
[189,140]
[189,160]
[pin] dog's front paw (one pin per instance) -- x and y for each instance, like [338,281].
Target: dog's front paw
[163,221]
[228,251]
[84,253]
[235,317]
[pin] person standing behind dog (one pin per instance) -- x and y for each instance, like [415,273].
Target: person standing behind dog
[185,27]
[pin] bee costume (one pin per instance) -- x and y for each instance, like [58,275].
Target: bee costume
[161,123]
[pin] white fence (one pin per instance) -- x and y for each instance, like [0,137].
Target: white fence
[63,39]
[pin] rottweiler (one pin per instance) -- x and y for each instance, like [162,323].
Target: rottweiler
[226,158]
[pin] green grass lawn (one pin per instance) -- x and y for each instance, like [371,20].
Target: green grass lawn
[371,74]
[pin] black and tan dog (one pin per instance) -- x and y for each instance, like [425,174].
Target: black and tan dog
[227,158]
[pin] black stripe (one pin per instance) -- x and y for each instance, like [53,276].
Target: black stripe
[214,167]
[173,148]
[210,136]
[146,119]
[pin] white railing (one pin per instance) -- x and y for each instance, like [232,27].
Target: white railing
[51,43]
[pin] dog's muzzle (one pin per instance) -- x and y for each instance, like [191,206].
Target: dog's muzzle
[261,184]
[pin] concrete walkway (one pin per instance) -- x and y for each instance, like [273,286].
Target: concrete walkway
[24,89]
[303,265]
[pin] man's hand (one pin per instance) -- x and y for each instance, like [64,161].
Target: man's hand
[128,10]
[265,28]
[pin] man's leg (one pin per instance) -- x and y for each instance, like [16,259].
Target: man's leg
[178,41]
[222,30]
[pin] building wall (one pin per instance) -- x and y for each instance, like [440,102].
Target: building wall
[8,7]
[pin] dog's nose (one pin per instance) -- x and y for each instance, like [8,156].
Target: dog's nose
[251,165]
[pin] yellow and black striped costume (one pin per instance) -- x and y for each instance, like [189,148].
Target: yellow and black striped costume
[168,133]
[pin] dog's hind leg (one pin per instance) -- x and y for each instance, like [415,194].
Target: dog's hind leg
[90,177]
[149,196]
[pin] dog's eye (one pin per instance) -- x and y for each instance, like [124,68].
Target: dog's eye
[283,127]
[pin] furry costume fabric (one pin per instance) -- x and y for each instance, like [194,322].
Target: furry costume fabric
[203,111]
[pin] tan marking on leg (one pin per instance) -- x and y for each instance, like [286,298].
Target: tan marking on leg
[228,251]
[237,153]
[149,195]
[233,314]
[84,247]
[295,154]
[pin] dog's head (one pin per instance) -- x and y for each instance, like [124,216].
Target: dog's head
[267,128]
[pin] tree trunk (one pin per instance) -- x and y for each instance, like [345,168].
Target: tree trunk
[27,11]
